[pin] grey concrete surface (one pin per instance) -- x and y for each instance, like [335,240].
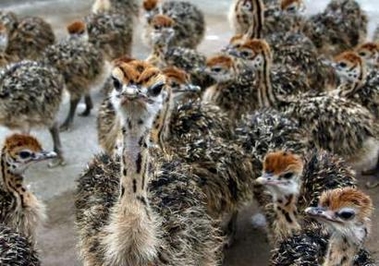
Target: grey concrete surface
[55,186]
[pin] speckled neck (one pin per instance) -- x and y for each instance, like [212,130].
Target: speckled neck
[13,183]
[342,249]
[131,237]
[135,156]
[156,58]
[287,216]
[348,89]
[161,124]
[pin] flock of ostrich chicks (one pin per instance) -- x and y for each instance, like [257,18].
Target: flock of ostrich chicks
[286,115]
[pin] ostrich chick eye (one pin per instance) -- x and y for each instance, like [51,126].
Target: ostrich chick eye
[116,84]
[155,90]
[216,69]
[287,175]
[24,154]
[346,215]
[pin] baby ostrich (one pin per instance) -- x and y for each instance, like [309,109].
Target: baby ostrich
[110,30]
[189,22]
[369,52]
[342,244]
[346,213]
[236,85]
[108,126]
[81,64]
[281,175]
[30,38]
[340,27]
[163,54]
[278,17]
[351,133]
[295,182]
[359,86]
[129,214]
[233,88]
[127,7]
[16,249]
[290,48]
[20,209]
[30,96]
[199,134]
[356,83]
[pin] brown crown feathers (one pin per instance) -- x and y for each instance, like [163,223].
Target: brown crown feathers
[282,161]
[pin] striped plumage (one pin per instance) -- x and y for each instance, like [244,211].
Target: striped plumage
[16,249]
[189,21]
[295,51]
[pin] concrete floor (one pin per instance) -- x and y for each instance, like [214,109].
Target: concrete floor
[55,186]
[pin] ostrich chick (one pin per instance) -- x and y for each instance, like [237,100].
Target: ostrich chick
[110,30]
[189,21]
[282,173]
[19,208]
[346,213]
[16,249]
[81,64]
[233,87]
[30,95]
[290,49]
[154,213]
[369,52]
[30,38]
[359,86]
[126,7]
[164,54]
[108,125]
[296,182]
[352,133]
[341,26]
